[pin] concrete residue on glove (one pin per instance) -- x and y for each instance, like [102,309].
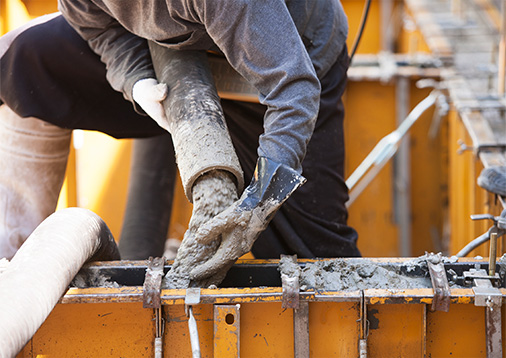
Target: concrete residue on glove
[212,193]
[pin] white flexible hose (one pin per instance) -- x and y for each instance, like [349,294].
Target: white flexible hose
[40,272]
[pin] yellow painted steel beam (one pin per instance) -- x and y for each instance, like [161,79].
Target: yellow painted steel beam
[227,331]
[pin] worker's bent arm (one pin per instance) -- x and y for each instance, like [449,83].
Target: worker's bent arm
[125,54]
[261,42]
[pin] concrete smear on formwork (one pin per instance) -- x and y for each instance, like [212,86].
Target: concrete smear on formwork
[212,193]
[289,267]
[421,261]
[93,278]
[356,274]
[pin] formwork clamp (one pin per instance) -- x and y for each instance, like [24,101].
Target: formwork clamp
[441,300]
[153,283]
[151,298]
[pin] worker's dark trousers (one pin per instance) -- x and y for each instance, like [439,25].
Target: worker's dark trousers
[50,73]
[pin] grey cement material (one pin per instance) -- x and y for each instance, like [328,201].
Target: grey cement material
[212,193]
[288,267]
[354,274]
[94,279]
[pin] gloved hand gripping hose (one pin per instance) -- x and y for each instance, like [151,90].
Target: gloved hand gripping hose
[241,223]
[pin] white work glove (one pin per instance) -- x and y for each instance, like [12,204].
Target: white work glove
[149,94]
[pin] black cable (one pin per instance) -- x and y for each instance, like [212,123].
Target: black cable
[365,14]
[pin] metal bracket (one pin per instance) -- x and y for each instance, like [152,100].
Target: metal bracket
[192,298]
[441,300]
[153,283]
[485,294]
[290,291]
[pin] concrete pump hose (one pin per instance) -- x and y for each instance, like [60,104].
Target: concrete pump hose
[40,272]
[196,122]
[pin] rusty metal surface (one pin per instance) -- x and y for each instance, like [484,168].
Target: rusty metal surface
[301,330]
[153,283]
[488,296]
[493,330]
[441,301]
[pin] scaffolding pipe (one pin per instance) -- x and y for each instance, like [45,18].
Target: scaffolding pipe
[385,149]
[42,269]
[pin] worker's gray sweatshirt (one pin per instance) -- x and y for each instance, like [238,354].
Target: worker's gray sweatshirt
[279,46]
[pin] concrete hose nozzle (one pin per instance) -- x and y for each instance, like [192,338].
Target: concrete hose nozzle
[33,158]
[42,269]
[196,122]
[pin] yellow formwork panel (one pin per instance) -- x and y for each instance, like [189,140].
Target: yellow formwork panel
[447,338]
[334,329]
[370,115]
[465,196]
[266,330]
[371,41]
[396,330]
[429,177]
[94,330]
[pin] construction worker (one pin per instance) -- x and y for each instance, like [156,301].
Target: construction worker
[91,69]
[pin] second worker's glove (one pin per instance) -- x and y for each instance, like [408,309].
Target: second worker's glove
[149,94]
[240,224]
